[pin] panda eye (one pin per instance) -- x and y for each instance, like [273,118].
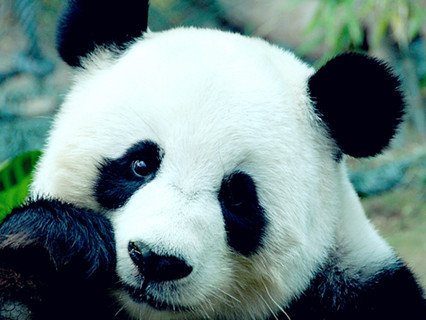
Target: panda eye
[232,196]
[237,192]
[140,168]
[244,217]
[119,178]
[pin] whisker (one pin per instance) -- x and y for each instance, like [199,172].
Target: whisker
[269,307]
[118,312]
[229,295]
[277,304]
[204,311]
[221,299]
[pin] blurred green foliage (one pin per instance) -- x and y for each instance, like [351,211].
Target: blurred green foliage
[15,177]
[341,24]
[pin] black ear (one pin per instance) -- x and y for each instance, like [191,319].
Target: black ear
[359,99]
[86,24]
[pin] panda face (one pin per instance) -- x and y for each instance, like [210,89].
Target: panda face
[204,151]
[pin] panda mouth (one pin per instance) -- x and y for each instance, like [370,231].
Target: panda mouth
[142,297]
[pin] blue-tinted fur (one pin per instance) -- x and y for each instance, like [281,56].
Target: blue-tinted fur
[245,220]
[49,271]
[390,294]
[58,260]
[359,100]
[86,24]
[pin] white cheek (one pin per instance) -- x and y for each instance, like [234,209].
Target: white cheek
[172,224]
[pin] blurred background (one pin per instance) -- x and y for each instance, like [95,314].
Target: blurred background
[33,82]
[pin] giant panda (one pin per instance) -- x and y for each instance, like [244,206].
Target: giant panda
[200,174]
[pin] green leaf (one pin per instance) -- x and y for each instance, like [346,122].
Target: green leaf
[15,178]
[418,18]
[317,20]
[380,30]
[355,30]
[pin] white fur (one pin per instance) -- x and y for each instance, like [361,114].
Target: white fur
[215,102]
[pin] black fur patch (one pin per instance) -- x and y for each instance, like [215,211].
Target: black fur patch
[51,225]
[359,99]
[117,182]
[58,261]
[391,294]
[244,217]
[86,24]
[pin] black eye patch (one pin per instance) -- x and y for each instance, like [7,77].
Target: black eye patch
[244,217]
[119,178]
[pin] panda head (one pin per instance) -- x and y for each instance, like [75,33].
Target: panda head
[217,158]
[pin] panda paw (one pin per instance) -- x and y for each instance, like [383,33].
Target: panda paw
[53,254]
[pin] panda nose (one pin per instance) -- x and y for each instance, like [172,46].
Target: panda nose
[156,267]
